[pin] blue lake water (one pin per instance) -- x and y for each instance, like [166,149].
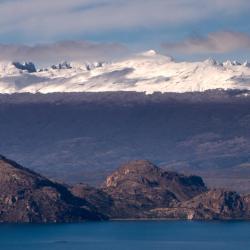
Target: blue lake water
[128,235]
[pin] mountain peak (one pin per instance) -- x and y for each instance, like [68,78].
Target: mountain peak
[147,72]
[28,66]
[144,185]
[229,63]
[9,68]
[246,64]
[211,61]
[62,65]
[29,197]
[139,165]
[76,66]
[149,53]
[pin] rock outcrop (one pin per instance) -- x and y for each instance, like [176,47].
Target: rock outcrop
[26,66]
[138,189]
[99,199]
[211,205]
[140,186]
[28,197]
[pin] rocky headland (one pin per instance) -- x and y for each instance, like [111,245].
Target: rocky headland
[137,190]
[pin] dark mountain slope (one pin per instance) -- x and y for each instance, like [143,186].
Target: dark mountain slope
[28,197]
[200,133]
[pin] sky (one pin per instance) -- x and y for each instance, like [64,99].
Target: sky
[57,30]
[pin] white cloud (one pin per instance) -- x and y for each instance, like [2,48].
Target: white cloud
[46,19]
[217,42]
[56,52]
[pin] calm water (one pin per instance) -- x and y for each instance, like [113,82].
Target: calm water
[153,235]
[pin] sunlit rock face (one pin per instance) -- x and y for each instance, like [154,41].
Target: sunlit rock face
[140,185]
[212,205]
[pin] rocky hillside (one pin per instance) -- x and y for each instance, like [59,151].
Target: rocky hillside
[100,199]
[69,137]
[145,186]
[138,189]
[211,205]
[28,197]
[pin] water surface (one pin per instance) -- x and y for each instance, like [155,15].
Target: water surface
[128,235]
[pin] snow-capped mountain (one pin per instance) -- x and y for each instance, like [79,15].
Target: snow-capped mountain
[146,72]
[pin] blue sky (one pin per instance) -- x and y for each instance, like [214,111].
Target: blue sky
[184,29]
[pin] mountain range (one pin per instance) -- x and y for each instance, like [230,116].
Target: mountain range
[186,116]
[147,72]
[75,122]
[68,136]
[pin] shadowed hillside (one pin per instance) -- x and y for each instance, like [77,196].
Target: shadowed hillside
[70,136]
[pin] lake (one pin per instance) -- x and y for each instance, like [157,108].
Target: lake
[128,235]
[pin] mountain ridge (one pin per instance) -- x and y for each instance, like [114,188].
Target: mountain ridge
[28,197]
[206,134]
[136,190]
[147,72]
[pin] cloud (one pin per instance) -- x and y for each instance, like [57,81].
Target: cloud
[46,19]
[60,51]
[217,42]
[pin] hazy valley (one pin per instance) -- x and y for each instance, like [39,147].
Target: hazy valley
[83,137]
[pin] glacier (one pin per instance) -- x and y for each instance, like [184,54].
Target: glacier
[147,72]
